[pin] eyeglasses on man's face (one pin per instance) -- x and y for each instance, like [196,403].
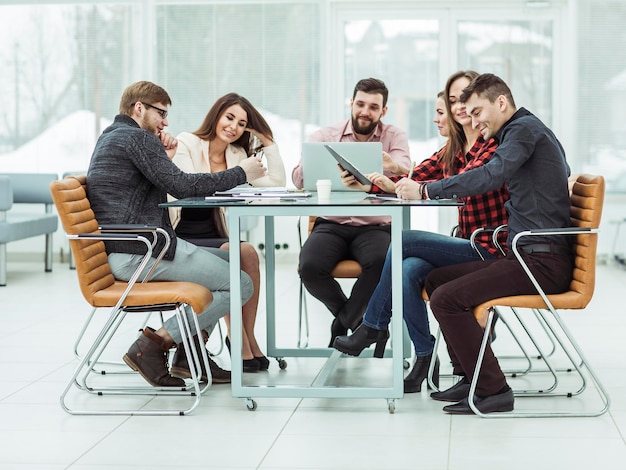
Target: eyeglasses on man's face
[162,112]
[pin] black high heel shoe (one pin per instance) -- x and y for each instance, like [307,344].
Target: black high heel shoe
[413,381]
[336,329]
[362,338]
[249,365]
[264,362]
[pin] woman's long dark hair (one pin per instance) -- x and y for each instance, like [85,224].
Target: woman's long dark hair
[456,140]
[207,130]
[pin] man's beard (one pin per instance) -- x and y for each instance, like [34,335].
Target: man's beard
[363,130]
[146,125]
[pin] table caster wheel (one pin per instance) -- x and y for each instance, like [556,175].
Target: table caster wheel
[250,404]
[406,364]
[391,405]
[282,363]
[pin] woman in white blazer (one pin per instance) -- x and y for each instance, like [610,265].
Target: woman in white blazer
[231,131]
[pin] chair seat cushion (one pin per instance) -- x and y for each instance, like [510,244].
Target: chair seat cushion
[155,293]
[566,300]
[347,269]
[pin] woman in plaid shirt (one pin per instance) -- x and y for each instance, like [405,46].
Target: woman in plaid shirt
[423,251]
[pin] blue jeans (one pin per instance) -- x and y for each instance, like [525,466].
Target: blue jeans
[421,253]
[206,266]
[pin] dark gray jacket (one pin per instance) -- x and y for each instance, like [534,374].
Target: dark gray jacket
[531,161]
[130,175]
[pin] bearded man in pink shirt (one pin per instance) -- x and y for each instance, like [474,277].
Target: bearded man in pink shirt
[364,239]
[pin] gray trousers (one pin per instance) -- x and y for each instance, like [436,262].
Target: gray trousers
[206,266]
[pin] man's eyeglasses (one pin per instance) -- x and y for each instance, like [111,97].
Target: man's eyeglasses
[162,112]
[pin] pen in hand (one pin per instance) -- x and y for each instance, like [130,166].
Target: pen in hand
[410,175]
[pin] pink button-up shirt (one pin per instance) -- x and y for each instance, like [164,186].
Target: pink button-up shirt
[394,142]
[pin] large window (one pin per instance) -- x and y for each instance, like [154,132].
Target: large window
[268,53]
[404,54]
[63,67]
[601,90]
[518,51]
[65,64]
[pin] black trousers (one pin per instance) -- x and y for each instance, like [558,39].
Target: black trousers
[330,242]
[455,290]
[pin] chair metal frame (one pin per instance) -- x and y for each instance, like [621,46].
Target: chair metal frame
[91,316]
[100,289]
[586,210]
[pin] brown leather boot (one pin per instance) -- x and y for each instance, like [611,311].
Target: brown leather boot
[180,364]
[148,356]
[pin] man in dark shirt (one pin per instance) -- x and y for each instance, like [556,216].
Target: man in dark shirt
[531,161]
[129,175]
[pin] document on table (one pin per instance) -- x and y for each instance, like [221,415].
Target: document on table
[263,193]
[384,197]
[224,199]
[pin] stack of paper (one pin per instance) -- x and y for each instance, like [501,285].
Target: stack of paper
[263,193]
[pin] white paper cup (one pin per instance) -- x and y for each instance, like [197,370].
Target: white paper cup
[323,189]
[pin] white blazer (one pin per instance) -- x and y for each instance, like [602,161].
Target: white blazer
[192,156]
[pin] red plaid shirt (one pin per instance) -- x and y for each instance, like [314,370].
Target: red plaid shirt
[483,210]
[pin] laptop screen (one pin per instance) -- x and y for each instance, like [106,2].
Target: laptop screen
[318,163]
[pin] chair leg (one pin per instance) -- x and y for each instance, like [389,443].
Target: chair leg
[567,344]
[81,334]
[84,371]
[3,264]
[303,318]
[525,355]
[221,341]
[124,370]
[511,372]
[545,329]
[541,356]
[48,252]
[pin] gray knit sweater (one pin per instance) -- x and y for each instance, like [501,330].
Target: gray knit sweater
[130,175]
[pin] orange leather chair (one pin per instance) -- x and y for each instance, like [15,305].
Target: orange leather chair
[101,290]
[587,197]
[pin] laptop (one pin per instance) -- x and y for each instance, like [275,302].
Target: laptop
[318,163]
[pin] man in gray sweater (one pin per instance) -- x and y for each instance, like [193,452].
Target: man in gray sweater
[129,175]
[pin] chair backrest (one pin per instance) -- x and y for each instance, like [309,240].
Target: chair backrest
[587,200]
[31,188]
[70,198]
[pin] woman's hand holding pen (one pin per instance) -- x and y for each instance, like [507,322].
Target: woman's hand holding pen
[406,188]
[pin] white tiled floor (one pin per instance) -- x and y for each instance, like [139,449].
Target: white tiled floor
[40,317]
